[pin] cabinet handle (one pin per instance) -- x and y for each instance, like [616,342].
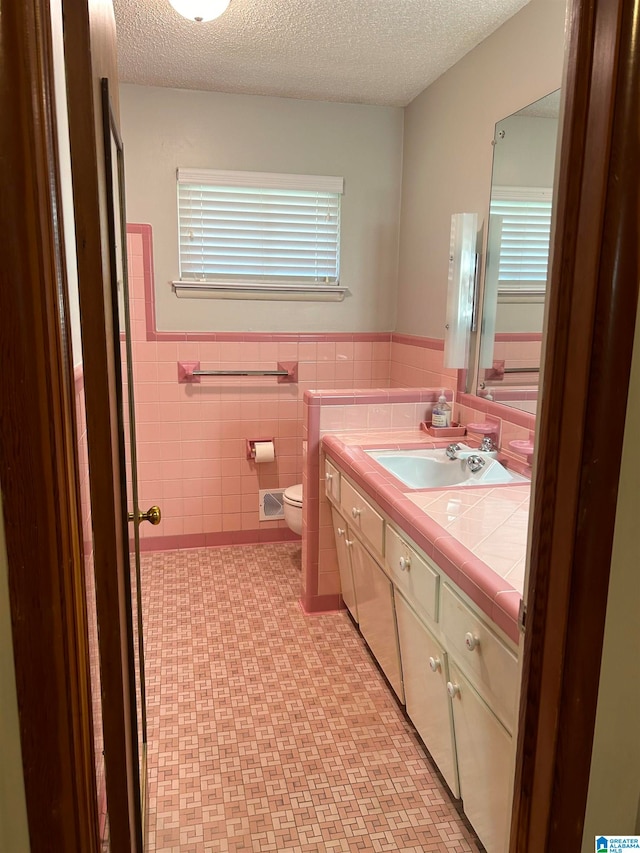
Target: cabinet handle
[328,477]
[341,531]
[453,689]
[355,512]
[348,542]
[434,664]
[404,563]
[471,641]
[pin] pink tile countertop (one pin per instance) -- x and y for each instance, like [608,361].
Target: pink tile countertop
[477,536]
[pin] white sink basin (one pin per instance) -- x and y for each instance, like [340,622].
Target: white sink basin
[431,469]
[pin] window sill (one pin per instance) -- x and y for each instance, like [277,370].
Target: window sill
[272,292]
[529,296]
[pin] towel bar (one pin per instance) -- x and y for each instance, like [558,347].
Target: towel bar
[190,371]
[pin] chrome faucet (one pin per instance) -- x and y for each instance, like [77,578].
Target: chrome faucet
[475,463]
[487,444]
[452,451]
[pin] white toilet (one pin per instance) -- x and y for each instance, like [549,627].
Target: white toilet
[293,508]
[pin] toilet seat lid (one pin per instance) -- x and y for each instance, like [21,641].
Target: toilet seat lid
[293,494]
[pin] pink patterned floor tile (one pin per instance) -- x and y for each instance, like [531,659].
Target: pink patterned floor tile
[270,730]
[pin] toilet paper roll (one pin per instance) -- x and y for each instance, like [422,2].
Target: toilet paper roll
[265,452]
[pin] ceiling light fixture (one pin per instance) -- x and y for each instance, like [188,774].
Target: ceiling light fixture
[200,10]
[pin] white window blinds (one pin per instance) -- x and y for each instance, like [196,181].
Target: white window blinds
[259,227]
[523,215]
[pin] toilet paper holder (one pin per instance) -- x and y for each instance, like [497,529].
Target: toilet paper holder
[251,445]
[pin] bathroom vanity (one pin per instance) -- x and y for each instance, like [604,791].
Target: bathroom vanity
[441,623]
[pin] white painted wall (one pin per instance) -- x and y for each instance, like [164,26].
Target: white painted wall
[524,316]
[165,128]
[613,802]
[14,831]
[448,151]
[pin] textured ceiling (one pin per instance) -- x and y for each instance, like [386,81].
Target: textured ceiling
[360,51]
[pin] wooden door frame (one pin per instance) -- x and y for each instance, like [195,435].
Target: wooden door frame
[38,451]
[593,294]
[38,435]
[595,270]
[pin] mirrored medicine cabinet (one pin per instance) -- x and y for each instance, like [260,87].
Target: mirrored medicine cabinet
[506,349]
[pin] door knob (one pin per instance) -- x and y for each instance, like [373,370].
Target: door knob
[153,515]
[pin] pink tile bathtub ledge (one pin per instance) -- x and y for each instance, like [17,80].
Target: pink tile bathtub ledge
[495,596]
[349,396]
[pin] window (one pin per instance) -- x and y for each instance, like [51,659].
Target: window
[524,218]
[259,230]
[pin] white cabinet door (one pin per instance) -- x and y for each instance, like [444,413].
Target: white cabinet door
[484,658]
[484,764]
[343,543]
[362,516]
[412,574]
[424,673]
[331,482]
[374,594]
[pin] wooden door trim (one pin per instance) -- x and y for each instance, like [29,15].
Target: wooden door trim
[38,451]
[592,312]
[89,36]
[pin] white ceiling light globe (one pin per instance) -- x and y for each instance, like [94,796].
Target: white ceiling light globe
[200,10]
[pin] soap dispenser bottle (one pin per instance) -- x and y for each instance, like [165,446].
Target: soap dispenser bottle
[441,415]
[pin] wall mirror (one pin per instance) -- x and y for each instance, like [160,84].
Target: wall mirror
[515,282]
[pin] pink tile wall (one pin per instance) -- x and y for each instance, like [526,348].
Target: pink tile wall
[191,438]
[418,363]
[413,358]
